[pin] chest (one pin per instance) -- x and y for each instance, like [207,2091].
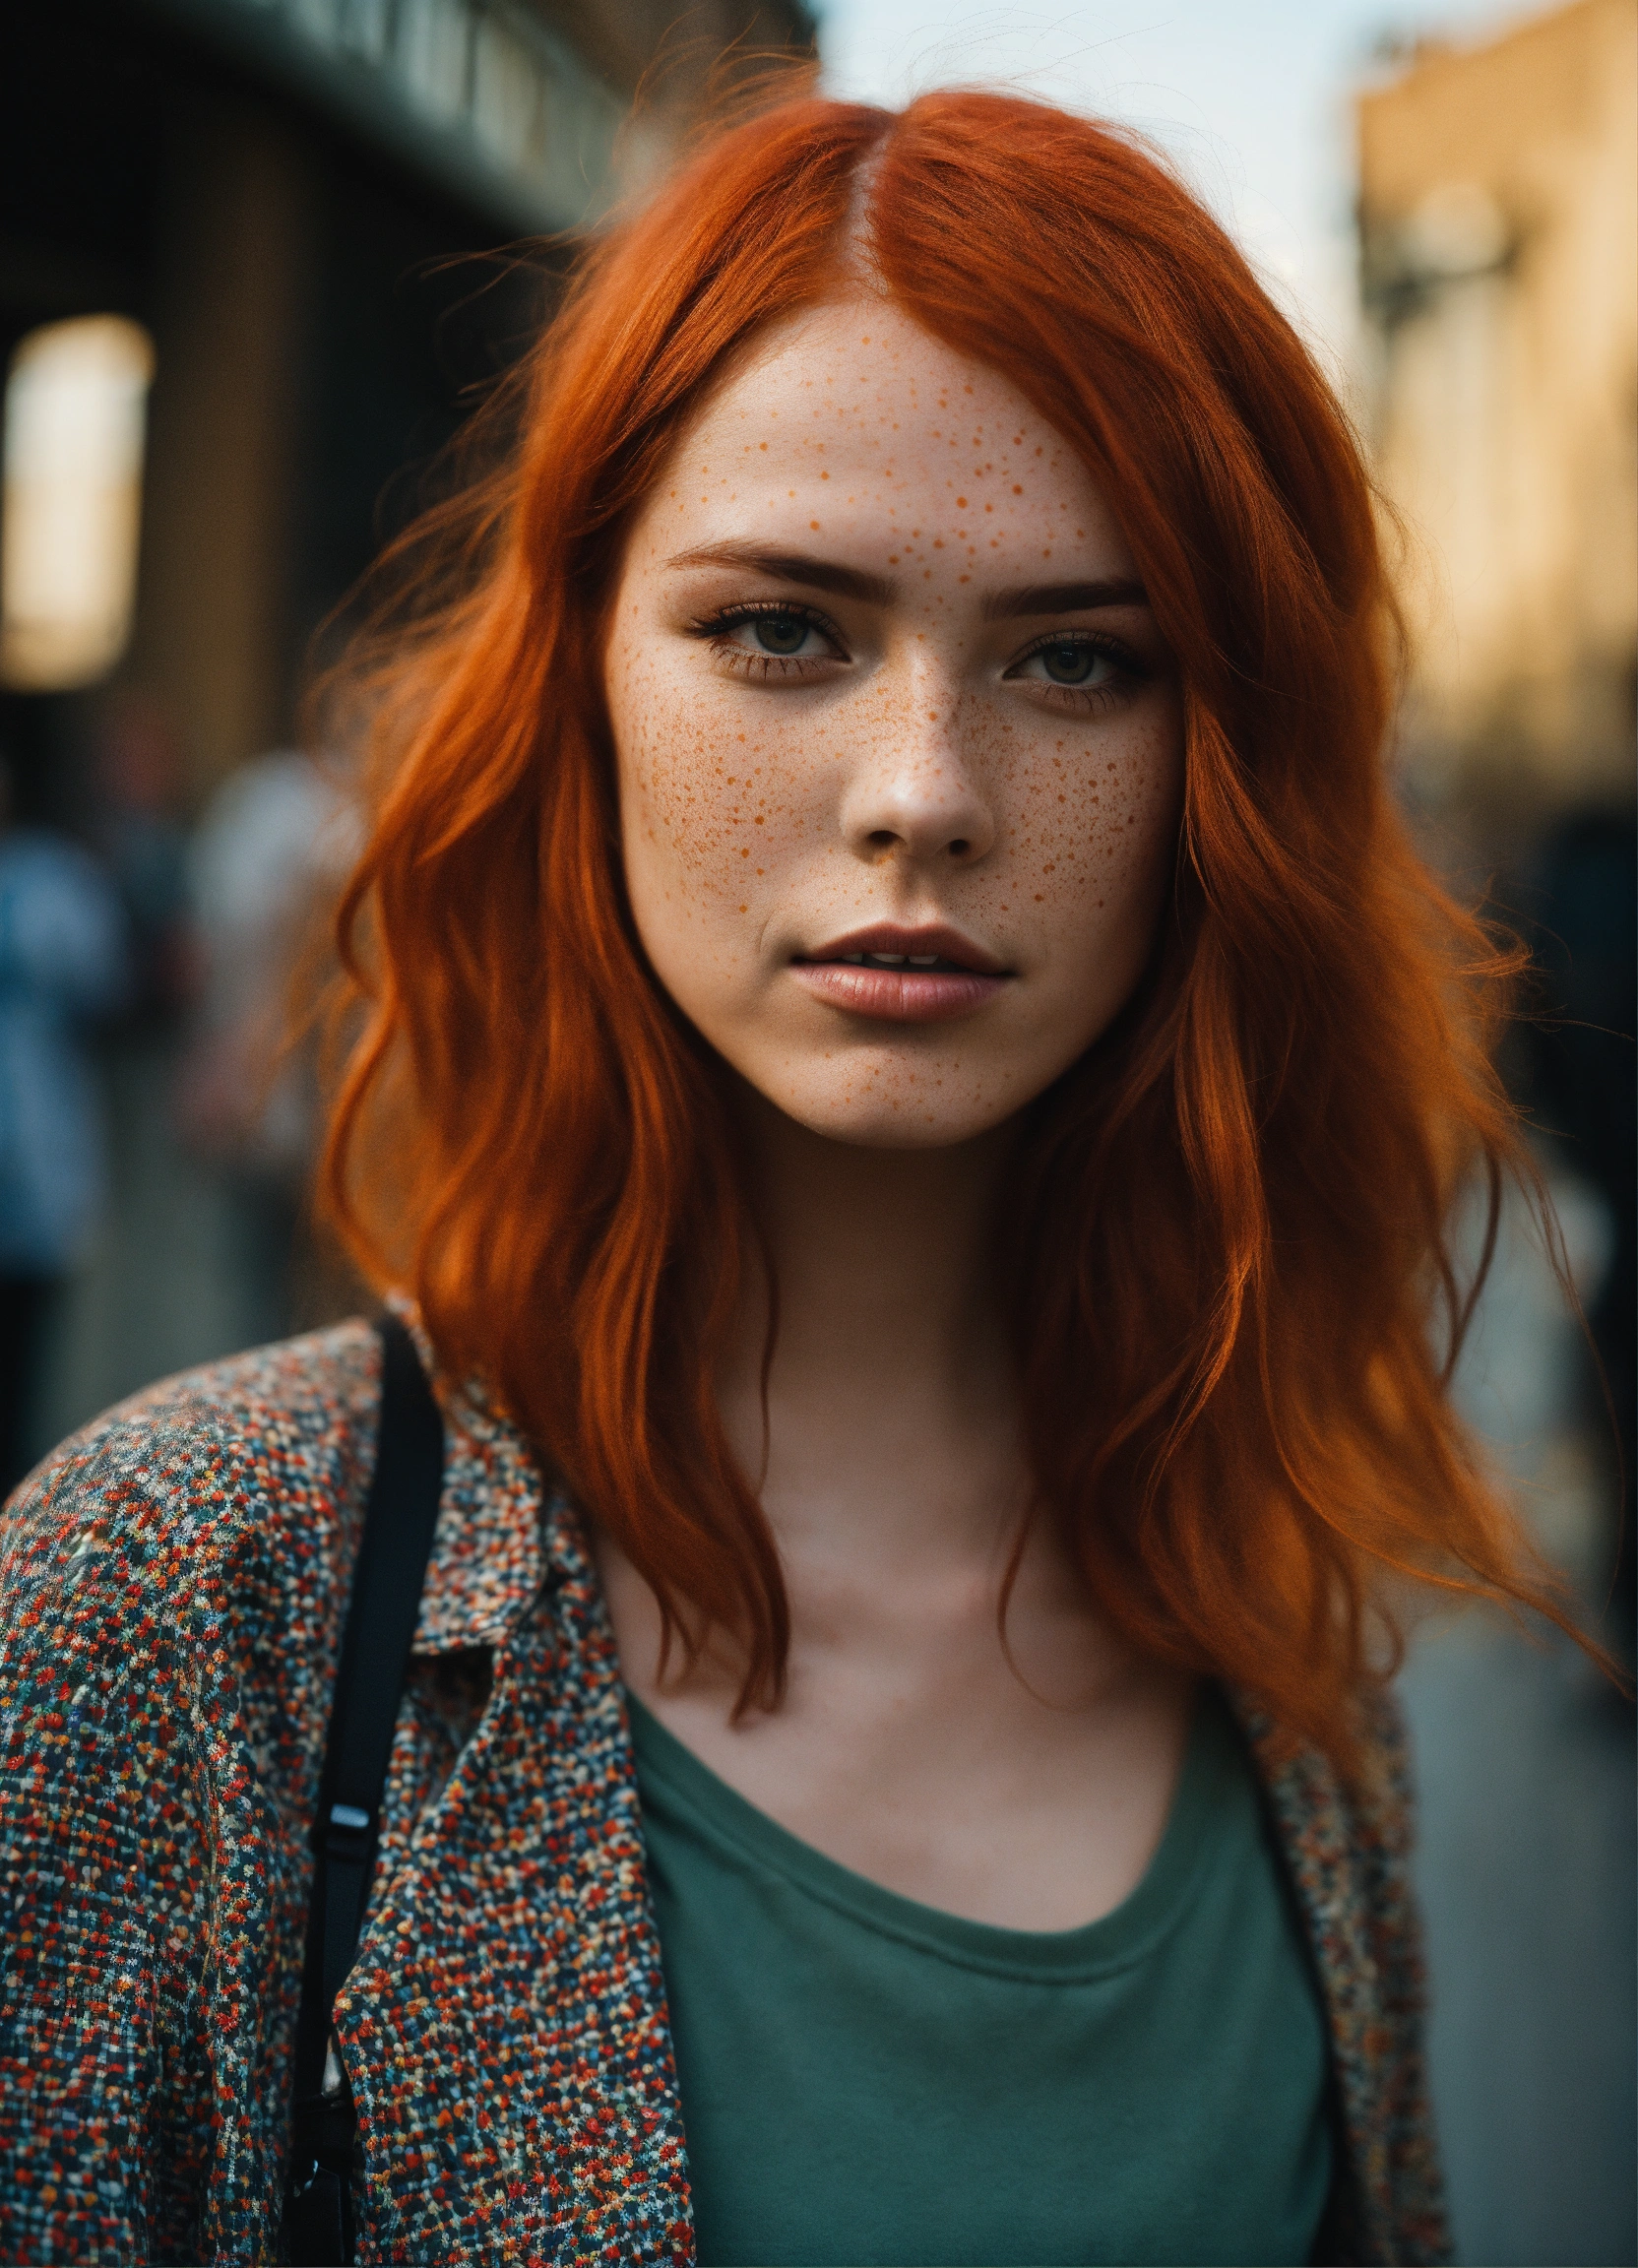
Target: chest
[506,2028]
[1020,1777]
[863,2077]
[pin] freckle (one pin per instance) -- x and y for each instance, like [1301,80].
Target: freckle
[961,503]
[813,522]
[964,578]
[893,558]
[744,854]
[824,475]
[989,507]
[1016,489]
[744,909]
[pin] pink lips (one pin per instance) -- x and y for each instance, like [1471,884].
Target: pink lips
[899,975]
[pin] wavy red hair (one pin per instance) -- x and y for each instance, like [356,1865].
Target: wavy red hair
[1228,1232]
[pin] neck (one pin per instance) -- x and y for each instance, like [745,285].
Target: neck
[889,1346]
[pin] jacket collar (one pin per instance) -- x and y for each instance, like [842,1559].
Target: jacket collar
[502,1533]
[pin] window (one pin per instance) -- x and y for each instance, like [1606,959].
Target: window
[76,406]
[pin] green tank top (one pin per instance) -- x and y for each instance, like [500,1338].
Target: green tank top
[865,2079]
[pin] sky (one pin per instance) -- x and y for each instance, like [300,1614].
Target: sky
[1250,96]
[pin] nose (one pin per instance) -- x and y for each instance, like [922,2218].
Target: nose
[912,791]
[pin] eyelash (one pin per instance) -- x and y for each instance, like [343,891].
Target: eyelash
[761,666]
[1132,671]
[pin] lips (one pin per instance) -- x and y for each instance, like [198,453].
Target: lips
[929,975]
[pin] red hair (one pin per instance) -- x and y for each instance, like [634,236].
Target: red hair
[1229,1230]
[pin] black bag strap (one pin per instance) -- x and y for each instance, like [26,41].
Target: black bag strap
[400,1517]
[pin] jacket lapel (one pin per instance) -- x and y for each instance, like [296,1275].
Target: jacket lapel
[504,2027]
[1318,1823]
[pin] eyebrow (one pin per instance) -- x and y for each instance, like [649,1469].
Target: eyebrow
[1064,597]
[795,567]
[801,568]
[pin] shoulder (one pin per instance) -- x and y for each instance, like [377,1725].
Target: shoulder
[171,1589]
[214,1510]
[1341,1830]
[1346,1841]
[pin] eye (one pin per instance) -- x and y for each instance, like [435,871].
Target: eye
[1076,661]
[1071,665]
[769,642]
[782,634]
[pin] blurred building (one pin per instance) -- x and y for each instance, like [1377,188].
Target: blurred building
[285,202]
[1498,205]
[1498,211]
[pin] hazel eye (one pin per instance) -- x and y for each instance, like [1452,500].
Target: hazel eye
[1077,664]
[779,633]
[756,637]
[1071,661]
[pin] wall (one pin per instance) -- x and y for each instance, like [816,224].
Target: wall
[1499,239]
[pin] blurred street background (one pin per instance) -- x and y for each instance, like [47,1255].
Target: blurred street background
[257,260]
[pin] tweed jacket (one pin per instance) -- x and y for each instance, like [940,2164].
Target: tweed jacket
[172,1583]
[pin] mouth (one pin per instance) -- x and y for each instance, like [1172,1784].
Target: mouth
[929,975]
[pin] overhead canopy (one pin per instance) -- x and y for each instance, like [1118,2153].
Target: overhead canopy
[479,97]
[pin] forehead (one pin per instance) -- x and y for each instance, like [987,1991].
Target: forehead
[862,363]
[846,408]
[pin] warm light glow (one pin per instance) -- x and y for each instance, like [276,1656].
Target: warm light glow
[76,402]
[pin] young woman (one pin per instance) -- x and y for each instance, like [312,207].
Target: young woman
[908,1084]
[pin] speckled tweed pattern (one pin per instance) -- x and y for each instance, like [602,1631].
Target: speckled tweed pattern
[171,1587]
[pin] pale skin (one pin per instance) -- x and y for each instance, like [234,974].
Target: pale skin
[944,703]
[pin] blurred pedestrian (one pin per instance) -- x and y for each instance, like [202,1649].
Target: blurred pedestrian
[270,847]
[141,834]
[63,965]
[1582,1091]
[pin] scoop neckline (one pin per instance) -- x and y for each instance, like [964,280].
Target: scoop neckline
[1128,1933]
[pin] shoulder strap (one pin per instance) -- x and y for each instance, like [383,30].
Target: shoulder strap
[400,1517]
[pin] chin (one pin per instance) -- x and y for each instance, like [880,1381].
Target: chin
[903,1117]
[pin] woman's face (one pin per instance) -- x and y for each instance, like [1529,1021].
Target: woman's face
[899,748]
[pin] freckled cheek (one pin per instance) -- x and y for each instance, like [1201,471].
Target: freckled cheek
[724,809]
[1096,825]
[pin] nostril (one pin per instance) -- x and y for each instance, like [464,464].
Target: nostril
[880,838]
[960,847]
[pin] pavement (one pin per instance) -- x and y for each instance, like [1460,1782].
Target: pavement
[1527,1780]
